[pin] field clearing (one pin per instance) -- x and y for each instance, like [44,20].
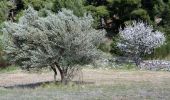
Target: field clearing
[101,85]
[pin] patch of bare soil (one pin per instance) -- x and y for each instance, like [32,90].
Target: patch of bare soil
[98,77]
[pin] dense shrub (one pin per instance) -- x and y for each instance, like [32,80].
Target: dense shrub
[61,41]
[139,39]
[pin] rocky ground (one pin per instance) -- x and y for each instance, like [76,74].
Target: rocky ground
[156,65]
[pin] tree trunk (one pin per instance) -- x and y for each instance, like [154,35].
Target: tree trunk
[55,72]
[63,74]
[137,61]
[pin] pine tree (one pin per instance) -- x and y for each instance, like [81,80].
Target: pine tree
[75,5]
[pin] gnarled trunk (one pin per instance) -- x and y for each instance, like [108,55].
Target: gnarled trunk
[55,72]
[63,74]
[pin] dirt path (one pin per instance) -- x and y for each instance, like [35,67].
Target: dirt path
[98,77]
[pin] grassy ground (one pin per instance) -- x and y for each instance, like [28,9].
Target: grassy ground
[123,90]
[102,85]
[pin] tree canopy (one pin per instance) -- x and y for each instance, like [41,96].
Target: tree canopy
[107,14]
[139,39]
[60,41]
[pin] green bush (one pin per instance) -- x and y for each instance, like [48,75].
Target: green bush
[104,47]
[140,14]
[75,5]
[4,8]
[39,4]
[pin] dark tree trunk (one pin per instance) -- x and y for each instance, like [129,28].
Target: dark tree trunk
[55,72]
[63,74]
[137,61]
[19,5]
[11,15]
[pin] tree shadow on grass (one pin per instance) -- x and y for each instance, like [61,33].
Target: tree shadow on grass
[39,84]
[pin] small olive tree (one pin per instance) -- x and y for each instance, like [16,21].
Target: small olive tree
[61,41]
[138,39]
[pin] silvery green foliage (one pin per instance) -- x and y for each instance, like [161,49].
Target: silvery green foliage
[36,42]
[139,38]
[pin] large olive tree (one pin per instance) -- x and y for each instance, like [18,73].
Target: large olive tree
[61,41]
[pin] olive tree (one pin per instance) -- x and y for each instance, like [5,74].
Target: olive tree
[62,41]
[138,39]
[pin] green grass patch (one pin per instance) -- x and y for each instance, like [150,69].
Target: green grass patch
[11,68]
[127,66]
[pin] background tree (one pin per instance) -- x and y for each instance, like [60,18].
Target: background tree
[75,5]
[154,7]
[164,15]
[139,39]
[61,41]
[114,12]
[4,10]
[39,4]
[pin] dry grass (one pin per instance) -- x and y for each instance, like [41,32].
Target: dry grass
[105,85]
